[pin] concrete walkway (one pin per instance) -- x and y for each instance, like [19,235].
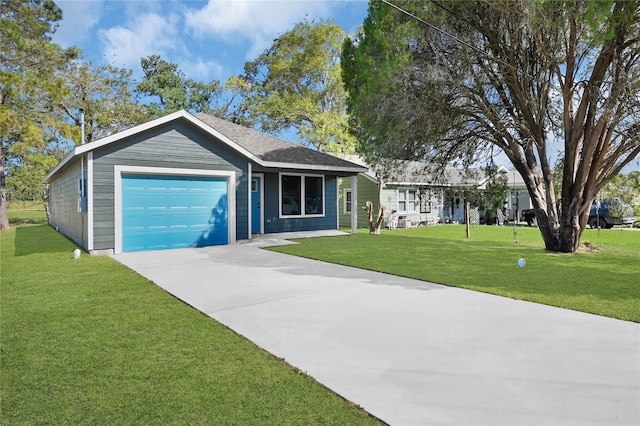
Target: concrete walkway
[411,352]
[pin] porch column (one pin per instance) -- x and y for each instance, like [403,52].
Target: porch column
[354,204]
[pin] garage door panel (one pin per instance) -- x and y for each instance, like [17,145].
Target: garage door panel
[163,212]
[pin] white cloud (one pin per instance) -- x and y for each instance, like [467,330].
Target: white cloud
[258,21]
[201,70]
[147,34]
[78,20]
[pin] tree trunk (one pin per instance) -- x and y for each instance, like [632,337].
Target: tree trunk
[374,227]
[562,236]
[4,219]
[569,237]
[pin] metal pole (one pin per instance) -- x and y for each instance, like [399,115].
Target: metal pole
[81,126]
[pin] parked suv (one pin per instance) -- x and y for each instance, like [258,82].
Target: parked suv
[612,212]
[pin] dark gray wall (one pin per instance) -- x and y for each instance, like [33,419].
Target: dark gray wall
[273,223]
[173,145]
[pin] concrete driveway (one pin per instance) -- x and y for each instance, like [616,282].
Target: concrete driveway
[411,352]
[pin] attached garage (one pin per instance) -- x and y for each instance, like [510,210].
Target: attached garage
[164,212]
[159,209]
[191,181]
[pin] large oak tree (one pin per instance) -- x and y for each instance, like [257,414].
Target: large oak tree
[448,80]
[296,85]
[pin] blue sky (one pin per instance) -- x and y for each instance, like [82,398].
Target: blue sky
[209,40]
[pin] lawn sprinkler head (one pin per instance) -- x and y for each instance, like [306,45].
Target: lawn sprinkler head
[76,254]
[521,262]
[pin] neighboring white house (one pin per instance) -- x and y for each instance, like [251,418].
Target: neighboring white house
[412,194]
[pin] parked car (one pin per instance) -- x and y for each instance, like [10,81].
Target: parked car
[610,213]
[528,215]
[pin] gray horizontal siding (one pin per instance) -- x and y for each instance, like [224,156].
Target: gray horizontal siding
[174,145]
[64,198]
[273,223]
[367,191]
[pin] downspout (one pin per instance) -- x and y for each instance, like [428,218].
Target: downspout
[83,189]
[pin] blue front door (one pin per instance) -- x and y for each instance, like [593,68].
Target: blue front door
[256,211]
[165,212]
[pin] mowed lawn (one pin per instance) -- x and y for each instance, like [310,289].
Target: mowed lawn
[603,279]
[88,341]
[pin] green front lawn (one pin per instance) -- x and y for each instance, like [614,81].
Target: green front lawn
[26,213]
[603,279]
[88,341]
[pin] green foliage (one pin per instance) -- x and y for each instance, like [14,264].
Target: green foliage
[393,102]
[31,84]
[43,88]
[42,91]
[453,81]
[88,341]
[296,84]
[104,93]
[493,195]
[33,81]
[602,280]
[624,187]
[24,180]
[164,82]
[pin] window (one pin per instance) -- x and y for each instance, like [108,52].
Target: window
[313,195]
[407,201]
[347,201]
[301,195]
[291,195]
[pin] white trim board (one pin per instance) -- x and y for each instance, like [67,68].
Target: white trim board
[90,202]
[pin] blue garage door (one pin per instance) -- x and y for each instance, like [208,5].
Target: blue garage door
[165,212]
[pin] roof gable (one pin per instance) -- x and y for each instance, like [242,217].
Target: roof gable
[265,150]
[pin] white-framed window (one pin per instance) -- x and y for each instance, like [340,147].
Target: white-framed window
[301,195]
[407,201]
[347,200]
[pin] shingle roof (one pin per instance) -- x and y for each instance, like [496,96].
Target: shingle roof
[407,172]
[266,150]
[414,172]
[269,148]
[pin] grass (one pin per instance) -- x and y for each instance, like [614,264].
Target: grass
[603,280]
[26,213]
[88,341]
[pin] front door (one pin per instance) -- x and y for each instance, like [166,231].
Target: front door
[256,204]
